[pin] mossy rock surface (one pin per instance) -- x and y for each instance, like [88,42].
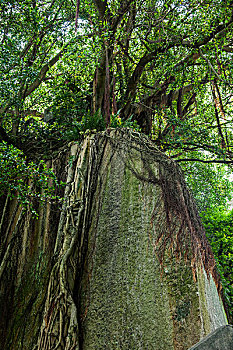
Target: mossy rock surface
[220,339]
[118,266]
[127,300]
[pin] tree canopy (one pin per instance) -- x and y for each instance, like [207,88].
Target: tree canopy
[161,67]
[165,64]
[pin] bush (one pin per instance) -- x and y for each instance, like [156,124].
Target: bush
[25,180]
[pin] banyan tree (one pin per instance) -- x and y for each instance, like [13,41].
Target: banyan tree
[123,264]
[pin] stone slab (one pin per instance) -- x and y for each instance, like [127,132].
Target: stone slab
[220,339]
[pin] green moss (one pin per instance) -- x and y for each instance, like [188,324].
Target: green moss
[125,304]
[184,304]
[28,305]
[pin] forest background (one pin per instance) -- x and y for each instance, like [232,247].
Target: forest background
[163,68]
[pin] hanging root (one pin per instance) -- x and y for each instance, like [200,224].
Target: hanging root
[175,214]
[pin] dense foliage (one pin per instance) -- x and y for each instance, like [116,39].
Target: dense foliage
[167,65]
[210,184]
[164,67]
[30,182]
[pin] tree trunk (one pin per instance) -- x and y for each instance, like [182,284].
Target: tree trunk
[124,264]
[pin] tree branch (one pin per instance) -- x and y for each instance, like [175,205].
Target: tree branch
[204,161]
[43,72]
[102,8]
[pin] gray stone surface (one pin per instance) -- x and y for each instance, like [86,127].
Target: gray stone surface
[125,303]
[220,339]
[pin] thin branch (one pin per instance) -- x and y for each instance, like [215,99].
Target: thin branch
[43,72]
[212,68]
[101,7]
[124,6]
[77,15]
[217,116]
[204,161]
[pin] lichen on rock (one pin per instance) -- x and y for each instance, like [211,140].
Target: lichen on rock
[124,264]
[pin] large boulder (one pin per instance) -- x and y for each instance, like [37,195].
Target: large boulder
[220,339]
[124,264]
